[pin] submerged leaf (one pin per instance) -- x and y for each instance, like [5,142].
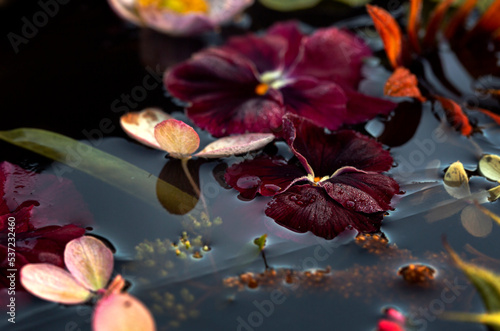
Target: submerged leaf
[494,193]
[390,33]
[234,145]
[141,125]
[53,283]
[177,138]
[261,242]
[485,211]
[403,83]
[104,166]
[122,312]
[476,222]
[489,166]
[89,261]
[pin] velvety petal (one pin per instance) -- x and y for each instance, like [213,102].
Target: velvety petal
[321,102]
[265,52]
[325,153]
[290,32]
[237,113]
[265,175]
[333,54]
[365,192]
[362,107]
[305,208]
[52,283]
[22,220]
[212,71]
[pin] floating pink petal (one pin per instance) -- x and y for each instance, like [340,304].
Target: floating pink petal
[234,145]
[52,283]
[122,312]
[177,138]
[141,125]
[89,261]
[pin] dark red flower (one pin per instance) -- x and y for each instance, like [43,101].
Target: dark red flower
[248,84]
[48,212]
[334,181]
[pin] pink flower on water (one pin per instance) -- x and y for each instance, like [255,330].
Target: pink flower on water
[333,183]
[248,84]
[179,17]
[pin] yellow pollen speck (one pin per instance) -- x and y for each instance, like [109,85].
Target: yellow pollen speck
[179,6]
[261,89]
[317,179]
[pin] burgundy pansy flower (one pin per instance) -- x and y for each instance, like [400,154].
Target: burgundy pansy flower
[47,212]
[248,84]
[334,182]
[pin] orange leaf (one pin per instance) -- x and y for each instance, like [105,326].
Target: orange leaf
[435,23]
[458,19]
[490,114]
[455,115]
[403,83]
[414,24]
[489,22]
[389,31]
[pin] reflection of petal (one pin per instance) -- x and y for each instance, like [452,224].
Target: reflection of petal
[475,222]
[265,175]
[307,208]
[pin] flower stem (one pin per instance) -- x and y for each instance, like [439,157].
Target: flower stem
[196,189]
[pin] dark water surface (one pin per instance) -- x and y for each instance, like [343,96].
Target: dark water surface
[72,75]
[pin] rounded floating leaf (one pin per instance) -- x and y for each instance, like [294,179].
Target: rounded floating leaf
[177,138]
[122,312]
[489,166]
[89,261]
[456,181]
[52,283]
[141,125]
[238,144]
[476,222]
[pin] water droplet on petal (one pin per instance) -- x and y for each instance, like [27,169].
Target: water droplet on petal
[272,188]
[350,204]
[294,197]
[248,182]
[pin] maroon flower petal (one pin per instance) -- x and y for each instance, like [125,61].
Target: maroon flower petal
[290,32]
[365,192]
[212,71]
[265,175]
[324,153]
[305,208]
[333,54]
[224,114]
[266,52]
[362,107]
[321,102]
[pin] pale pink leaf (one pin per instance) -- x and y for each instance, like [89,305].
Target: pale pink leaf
[141,125]
[237,144]
[52,283]
[177,138]
[89,261]
[122,312]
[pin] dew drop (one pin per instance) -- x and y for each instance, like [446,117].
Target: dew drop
[272,188]
[350,204]
[300,203]
[294,198]
[248,182]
